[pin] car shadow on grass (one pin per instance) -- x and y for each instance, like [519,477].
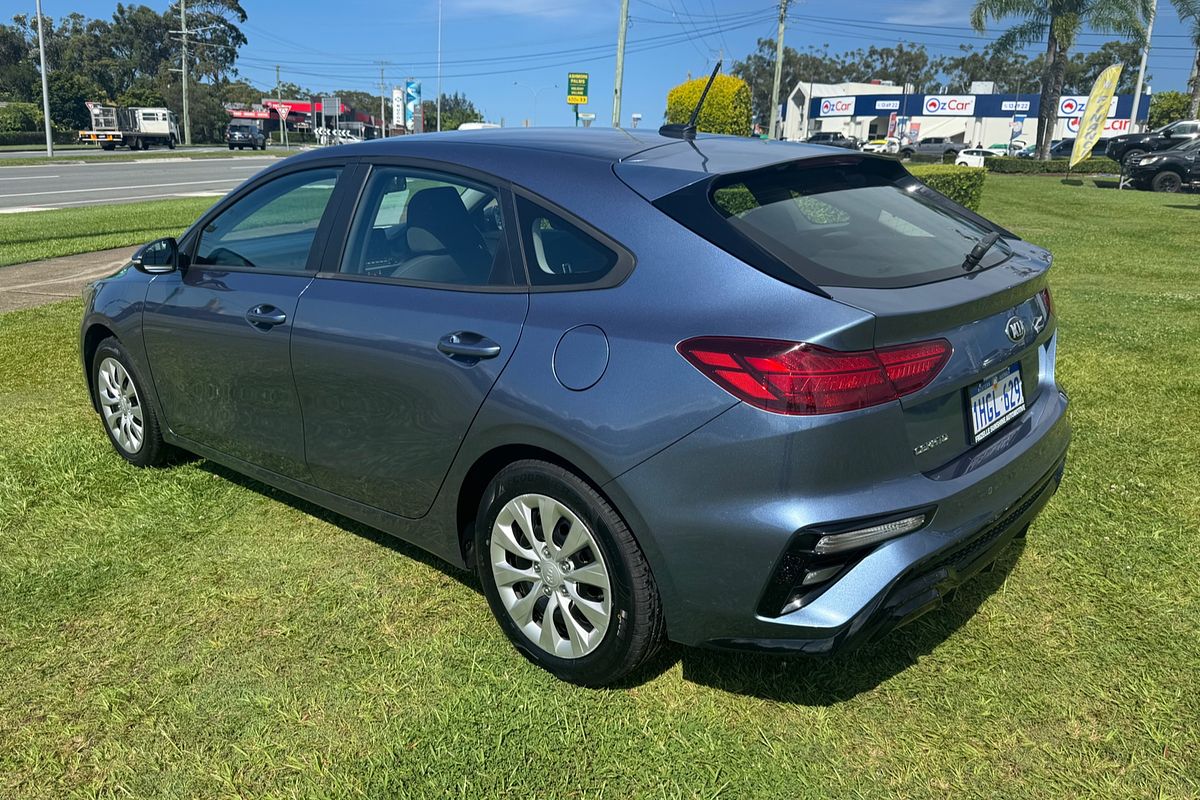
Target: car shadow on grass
[803,680]
[827,680]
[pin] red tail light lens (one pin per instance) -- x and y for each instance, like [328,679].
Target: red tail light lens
[1047,302]
[798,378]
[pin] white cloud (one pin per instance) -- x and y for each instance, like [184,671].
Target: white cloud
[932,12]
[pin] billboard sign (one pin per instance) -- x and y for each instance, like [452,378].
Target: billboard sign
[577,88]
[887,105]
[397,107]
[1014,105]
[949,105]
[837,106]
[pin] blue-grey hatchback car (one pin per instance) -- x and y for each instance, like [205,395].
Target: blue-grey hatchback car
[735,393]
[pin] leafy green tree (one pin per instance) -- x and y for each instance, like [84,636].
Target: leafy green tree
[20,117]
[18,76]
[144,92]
[1013,72]
[1168,107]
[1058,22]
[69,94]
[726,109]
[456,109]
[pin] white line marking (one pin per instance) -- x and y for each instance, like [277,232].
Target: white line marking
[131,198]
[116,188]
[30,178]
[26,209]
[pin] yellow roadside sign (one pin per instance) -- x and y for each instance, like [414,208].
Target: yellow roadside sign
[1095,113]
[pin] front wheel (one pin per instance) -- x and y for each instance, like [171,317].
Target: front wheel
[564,576]
[1167,181]
[171,143]
[128,418]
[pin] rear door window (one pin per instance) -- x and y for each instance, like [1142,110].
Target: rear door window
[850,224]
[560,253]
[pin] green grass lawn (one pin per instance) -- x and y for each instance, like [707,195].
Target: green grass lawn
[186,633]
[63,232]
[77,157]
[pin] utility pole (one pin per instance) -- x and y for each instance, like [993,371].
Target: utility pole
[778,69]
[278,113]
[1137,95]
[382,90]
[622,26]
[439,88]
[45,85]
[187,120]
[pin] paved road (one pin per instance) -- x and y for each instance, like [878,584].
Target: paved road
[41,282]
[72,185]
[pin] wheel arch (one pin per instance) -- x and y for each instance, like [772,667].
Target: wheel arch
[96,333]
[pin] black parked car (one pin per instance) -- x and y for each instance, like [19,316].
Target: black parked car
[1129,146]
[245,134]
[1064,147]
[833,139]
[1167,170]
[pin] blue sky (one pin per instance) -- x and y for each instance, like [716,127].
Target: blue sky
[507,54]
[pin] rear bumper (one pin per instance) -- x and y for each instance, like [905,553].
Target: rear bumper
[717,511]
[922,587]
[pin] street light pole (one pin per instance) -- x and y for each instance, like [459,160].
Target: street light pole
[439,88]
[45,85]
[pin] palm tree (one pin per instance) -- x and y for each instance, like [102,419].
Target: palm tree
[1059,22]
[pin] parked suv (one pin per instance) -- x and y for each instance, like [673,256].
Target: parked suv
[833,139]
[1130,146]
[933,146]
[1167,171]
[245,134]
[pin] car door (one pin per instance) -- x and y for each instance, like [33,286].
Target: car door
[217,331]
[403,332]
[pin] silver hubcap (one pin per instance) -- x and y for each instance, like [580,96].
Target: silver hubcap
[551,575]
[120,405]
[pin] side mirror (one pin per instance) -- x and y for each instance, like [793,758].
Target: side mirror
[159,256]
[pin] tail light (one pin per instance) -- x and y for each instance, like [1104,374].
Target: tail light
[798,378]
[1047,303]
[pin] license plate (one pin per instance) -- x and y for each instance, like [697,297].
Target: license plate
[995,401]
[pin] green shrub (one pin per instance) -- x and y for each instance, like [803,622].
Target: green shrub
[726,109]
[36,138]
[963,185]
[20,117]
[1031,166]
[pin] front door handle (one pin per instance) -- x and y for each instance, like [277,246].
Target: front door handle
[467,347]
[265,315]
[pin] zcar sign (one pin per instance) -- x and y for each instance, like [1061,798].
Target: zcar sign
[837,106]
[949,105]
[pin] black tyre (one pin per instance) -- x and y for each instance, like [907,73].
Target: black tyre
[564,576]
[108,146]
[135,145]
[1132,156]
[128,418]
[171,143]
[1167,181]
[907,153]
[230,147]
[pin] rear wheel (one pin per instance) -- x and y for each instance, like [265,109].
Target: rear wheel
[128,418]
[171,143]
[564,576]
[135,145]
[108,146]
[1167,181]
[907,153]
[230,147]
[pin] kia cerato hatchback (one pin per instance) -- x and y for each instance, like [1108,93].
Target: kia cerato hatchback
[734,393]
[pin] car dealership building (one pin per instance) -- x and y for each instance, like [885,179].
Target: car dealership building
[874,110]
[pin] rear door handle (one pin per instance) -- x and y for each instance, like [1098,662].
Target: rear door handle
[467,347]
[265,315]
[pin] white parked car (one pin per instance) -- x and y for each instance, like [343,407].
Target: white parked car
[973,157]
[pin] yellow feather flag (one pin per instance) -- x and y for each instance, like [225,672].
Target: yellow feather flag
[1095,113]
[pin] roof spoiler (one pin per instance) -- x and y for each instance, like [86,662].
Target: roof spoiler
[688,131]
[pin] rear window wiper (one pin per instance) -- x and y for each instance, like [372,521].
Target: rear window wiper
[980,250]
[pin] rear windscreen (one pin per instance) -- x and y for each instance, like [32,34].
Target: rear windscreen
[851,223]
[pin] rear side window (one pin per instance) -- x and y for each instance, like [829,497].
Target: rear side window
[850,224]
[558,252]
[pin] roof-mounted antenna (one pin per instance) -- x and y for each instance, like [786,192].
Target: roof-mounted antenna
[688,131]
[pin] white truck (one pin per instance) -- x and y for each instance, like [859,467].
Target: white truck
[135,128]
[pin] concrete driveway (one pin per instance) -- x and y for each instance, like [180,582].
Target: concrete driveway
[41,282]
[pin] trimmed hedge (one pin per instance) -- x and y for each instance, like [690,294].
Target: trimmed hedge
[37,138]
[1031,166]
[963,185]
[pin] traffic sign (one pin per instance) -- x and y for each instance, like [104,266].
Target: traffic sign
[577,88]
[283,109]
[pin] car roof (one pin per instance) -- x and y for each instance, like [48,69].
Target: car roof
[650,163]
